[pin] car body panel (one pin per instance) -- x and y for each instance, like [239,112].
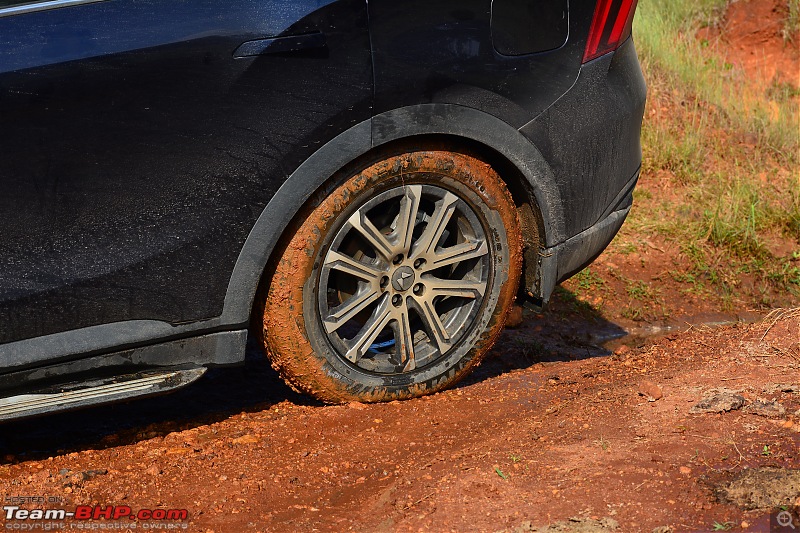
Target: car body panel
[590,137]
[433,52]
[142,152]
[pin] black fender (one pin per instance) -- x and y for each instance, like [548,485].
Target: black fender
[428,119]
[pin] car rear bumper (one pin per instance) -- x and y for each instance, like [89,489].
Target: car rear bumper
[573,255]
[590,138]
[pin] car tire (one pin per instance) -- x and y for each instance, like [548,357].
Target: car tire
[395,280]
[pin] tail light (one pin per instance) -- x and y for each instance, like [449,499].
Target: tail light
[611,25]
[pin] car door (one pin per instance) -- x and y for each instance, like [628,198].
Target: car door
[141,139]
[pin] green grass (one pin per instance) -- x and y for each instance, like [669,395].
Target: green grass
[729,148]
[792,26]
[588,282]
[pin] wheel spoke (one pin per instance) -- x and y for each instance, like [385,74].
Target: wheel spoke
[348,265]
[407,218]
[373,235]
[347,310]
[453,287]
[433,325]
[404,340]
[436,224]
[458,253]
[363,340]
[417,240]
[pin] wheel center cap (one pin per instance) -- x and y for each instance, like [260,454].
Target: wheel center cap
[403,278]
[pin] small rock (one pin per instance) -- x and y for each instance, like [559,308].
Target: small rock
[651,390]
[663,529]
[514,317]
[788,388]
[685,470]
[356,405]
[153,471]
[719,403]
[573,525]
[70,478]
[245,439]
[766,408]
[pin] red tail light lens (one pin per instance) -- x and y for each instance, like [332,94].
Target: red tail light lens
[611,25]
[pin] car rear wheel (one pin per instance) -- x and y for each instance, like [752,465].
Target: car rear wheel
[396,281]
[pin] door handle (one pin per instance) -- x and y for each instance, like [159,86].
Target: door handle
[281,45]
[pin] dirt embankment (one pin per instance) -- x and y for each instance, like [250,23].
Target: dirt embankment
[754,37]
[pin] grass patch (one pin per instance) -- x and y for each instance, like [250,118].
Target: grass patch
[792,25]
[588,281]
[665,34]
[721,152]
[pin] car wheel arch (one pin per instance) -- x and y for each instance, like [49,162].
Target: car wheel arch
[519,163]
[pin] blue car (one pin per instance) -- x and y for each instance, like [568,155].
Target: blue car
[364,187]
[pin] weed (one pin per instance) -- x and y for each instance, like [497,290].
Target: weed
[626,248]
[500,472]
[574,303]
[781,91]
[792,25]
[529,348]
[603,443]
[723,526]
[639,290]
[588,281]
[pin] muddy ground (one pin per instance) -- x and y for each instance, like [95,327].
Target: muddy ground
[553,426]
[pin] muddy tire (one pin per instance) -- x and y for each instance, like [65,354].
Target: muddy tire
[395,281]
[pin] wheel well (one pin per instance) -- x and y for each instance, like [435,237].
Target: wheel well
[521,191]
[531,222]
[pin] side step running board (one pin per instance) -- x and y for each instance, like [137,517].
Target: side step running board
[77,395]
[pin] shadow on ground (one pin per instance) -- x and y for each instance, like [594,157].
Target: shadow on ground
[569,330]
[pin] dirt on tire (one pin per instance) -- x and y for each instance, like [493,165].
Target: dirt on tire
[287,336]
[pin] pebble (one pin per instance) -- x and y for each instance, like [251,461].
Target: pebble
[514,317]
[651,390]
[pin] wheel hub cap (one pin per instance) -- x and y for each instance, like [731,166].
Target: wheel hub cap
[403,278]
